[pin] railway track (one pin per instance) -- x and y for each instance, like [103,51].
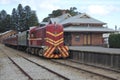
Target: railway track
[62,62]
[65,68]
[104,72]
[51,73]
[46,68]
[10,70]
[68,72]
[22,70]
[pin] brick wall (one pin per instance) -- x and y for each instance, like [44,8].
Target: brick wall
[80,39]
[97,39]
[77,39]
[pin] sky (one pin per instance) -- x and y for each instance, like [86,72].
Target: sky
[107,11]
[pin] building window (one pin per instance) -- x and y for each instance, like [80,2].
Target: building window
[77,38]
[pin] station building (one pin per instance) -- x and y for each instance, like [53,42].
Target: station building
[82,29]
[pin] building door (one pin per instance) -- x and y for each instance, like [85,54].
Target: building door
[67,38]
[87,39]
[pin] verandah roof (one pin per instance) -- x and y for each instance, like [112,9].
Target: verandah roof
[88,29]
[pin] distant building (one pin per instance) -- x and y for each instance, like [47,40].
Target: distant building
[6,35]
[106,37]
[82,29]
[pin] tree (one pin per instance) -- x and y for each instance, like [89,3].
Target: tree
[20,19]
[46,19]
[3,14]
[33,20]
[7,24]
[114,40]
[14,19]
[4,21]
[55,13]
[20,10]
[73,11]
[27,11]
[25,18]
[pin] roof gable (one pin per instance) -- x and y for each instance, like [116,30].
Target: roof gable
[60,18]
[82,15]
[82,18]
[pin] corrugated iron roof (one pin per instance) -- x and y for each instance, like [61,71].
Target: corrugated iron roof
[61,18]
[80,18]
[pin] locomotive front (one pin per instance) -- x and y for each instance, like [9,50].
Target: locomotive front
[54,42]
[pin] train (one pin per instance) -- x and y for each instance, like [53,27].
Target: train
[46,41]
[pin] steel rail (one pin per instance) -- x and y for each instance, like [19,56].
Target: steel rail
[101,67]
[111,78]
[23,71]
[46,68]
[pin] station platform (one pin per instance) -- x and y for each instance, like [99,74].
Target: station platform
[95,49]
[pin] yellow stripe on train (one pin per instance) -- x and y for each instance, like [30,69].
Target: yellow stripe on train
[50,52]
[55,35]
[53,42]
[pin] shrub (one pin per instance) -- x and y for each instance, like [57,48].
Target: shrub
[114,41]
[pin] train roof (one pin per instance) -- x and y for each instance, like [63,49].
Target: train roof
[34,28]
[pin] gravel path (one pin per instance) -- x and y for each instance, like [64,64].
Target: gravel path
[36,72]
[72,74]
[8,71]
[69,72]
[105,72]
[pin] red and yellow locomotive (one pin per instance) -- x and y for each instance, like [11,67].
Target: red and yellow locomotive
[47,41]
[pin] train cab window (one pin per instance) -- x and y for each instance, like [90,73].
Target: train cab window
[32,35]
